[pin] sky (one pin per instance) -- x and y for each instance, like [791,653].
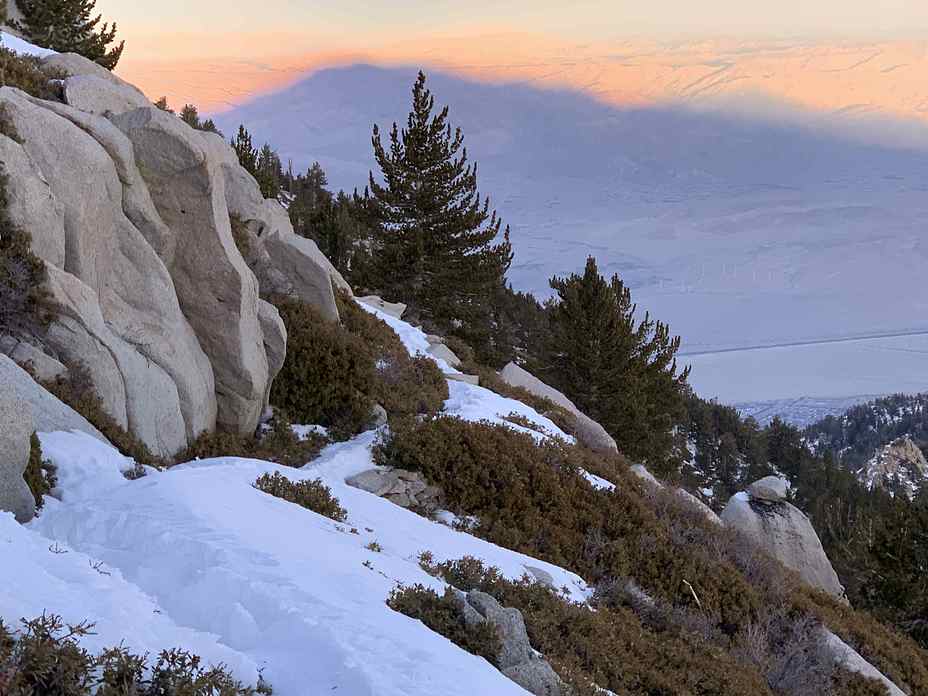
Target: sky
[338,22]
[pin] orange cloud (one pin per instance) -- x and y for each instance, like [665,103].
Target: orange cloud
[877,78]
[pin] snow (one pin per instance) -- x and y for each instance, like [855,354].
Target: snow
[40,575]
[472,403]
[200,558]
[412,337]
[21,46]
[597,481]
[468,401]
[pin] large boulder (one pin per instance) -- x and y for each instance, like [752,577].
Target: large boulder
[770,488]
[106,86]
[587,431]
[97,95]
[284,262]
[43,366]
[117,295]
[218,293]
[15,433]
[786,534]
[31,204]
[48,413]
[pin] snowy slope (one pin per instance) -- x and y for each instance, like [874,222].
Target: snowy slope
[197,557]
[776,246]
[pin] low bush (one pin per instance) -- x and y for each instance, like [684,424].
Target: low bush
[533,499]
[442,614]
[25,309]
[40,475]
[334,372]
[605,647]
[699,579]
[26,73]
[44,658]
[328,374]
[403,385]
[277,443]
[312,495]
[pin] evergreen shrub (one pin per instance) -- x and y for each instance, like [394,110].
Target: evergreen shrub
[40,475]
[26,73]
[442,614]
[328,375]
[312,495]
[44,658]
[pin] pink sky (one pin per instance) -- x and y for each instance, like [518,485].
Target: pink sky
[854,56]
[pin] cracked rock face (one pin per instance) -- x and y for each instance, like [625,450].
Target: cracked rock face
[129,209]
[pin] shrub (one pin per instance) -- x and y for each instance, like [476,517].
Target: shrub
[278,443]
[490,379]
[532,499]
[443,615]
[40,475]
[26,73]
[403,385]
[312,495]
[607,647]
[45,658]
[328,374]
[25,309]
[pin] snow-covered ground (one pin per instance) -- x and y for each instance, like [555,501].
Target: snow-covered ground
[21,46]
[798,232]
[196,557]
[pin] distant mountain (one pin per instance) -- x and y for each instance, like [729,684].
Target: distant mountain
[884,441]
[788,257]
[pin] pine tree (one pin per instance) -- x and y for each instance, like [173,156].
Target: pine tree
[270,172]
[247,154]
[69,26]
[620,371]
[435,243]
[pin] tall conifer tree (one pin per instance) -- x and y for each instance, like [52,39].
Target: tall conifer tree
[69,26]
[620,371]
[436,246]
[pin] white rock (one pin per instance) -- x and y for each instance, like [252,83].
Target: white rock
[98,95]
[217,291]
[845,656]
[443,352]
[48,413]
[786,534]
[587,431]
[15,432]
[772,488]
